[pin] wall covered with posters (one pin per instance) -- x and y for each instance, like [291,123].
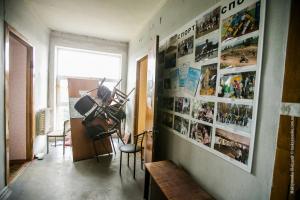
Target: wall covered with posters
[209,77]
[217,173]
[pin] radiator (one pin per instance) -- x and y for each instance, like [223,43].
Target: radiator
[43,121]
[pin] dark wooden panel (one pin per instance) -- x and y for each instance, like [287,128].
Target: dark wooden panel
[291,88]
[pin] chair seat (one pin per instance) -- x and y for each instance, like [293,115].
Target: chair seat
[129,148]
[55,134]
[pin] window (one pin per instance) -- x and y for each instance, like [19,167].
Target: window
[78,63]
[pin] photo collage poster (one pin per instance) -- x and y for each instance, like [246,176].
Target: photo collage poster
[208,82]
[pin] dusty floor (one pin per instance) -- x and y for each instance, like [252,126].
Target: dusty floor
[57,177]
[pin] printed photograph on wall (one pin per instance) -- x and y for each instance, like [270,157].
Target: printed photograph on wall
[239,53]
[167,83]
[182,105]
[241,23]
[203,110]
[170,52]
[200,133]
[237,85]
[232,145]
[167,119]
[183,71]
[181,125]
[235,116]
[192,80]
[161,58]
[167,103]
[208,23]
[185,47]
[207,49]
[174,78]
[208,79]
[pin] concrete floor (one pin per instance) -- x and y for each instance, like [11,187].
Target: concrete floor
[57,177]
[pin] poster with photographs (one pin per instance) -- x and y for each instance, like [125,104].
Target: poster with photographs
[241,23]
[208,79]
[207,48]
[200,133]
[239,53]
[208,23]
[232,145]
[211,77]
[167,119]
[167,103]
[237,85]
[235,116]
[203,110]
[183,71]
[182,105]
[170,52]
[192,80]
[181,125]
[174,77]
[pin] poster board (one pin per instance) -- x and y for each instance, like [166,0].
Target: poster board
[82,145]
[209,79]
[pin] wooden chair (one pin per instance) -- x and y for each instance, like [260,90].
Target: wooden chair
[133,148]
[59,134]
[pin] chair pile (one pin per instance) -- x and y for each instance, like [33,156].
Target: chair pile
[108,106]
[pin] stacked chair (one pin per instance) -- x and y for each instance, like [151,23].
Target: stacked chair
[108,106]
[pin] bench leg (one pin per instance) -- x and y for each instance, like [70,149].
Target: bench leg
[134,162]
[146,185]
[128,159]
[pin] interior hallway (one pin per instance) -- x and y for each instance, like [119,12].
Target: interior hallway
[57,177]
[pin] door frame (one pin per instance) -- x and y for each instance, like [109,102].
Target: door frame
[137,93]
[30,120]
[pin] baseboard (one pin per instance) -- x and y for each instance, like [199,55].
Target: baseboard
[5,193]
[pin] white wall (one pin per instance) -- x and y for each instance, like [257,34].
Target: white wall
[87,43]
[220,178]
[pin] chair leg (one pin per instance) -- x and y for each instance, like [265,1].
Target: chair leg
[95,150]
[128,154]
[134,165]
[142,159]
[120,162]
[112,142]
[47,144]
[64,144]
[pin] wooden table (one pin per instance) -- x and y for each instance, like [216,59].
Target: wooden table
[173,181]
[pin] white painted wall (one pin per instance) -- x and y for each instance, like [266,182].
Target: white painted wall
[17,99]
[87,43]
[220,178]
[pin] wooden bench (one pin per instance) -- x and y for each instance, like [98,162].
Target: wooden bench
[173,181]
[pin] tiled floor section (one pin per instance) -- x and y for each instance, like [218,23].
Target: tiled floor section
[57,177]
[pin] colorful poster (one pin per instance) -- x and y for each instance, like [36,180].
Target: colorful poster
[182,105]
[170,52]
[181,125]
[186,46]
[232,145]
[241,23]
[192,81]
[207,49]
[200,133]
[183,71]
[208,23]
[174,78]
[208,79]
[239,53]
[235,116]
[238,85]
[203,110]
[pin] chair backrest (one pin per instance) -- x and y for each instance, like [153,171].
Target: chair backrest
[138,139]
[85,104]
[67,126]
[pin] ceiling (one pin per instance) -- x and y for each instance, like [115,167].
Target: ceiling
[108,19]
